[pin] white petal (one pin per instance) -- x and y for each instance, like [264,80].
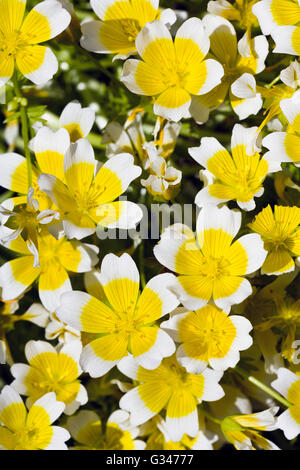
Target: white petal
[204,198]
[160,284]
[193,29]
[58,18]
[173,114]
[93,364]
[247,136]
[51,298]
[152,31]
[262,10]
[73,231]
[73,113]
[215,73]
[9,163]
[282,36]
[163,347]
[91,37]
[193,366]
[129,366]
[177,427]
[132,402]
[212,390]
[52,407]
[256,254]
[277,153]
[20,371]
[239,295]
[130,216]
[123,166]
[225,219]
[46,71]
[284,381]
[114,267]
[288,425]
[60,435]
[34,348]
[8,396]
[208,148]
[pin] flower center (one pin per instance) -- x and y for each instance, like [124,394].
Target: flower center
[130,28]
[25,218]
[177,377]
[12,43]
[87,199]
[174,73]
[213,268]
[26,439]
[207,333]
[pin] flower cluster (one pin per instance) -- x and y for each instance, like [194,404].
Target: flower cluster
[188,341]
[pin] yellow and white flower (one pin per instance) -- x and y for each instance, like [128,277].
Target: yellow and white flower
[280,232]
[51,370]
[285,146]
[288,384]
[208,336]
[88,197]
[172,72]
[240,11]
[238,58]
[158,438]
[49,148]
[120,24]
[128,324]
[274,95]
[211,265]
[76,120]
[87,430]
[56,258]
[163,179]
[236,177]
[172,388]
[245,99]
[30,430]
[19,39]
[26,220]
[280,19]
[242,430]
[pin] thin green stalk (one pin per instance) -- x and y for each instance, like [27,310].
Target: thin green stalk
[273,82]
[25,129]
[210,417]
[263,387]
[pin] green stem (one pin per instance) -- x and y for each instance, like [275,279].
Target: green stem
[210,417]
[25,129]
[273,82]
[263,387]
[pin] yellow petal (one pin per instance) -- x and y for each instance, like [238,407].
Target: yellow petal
[278,261]
[11,15]
[142,339]
[285,12]
[30,59]
[111,347]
